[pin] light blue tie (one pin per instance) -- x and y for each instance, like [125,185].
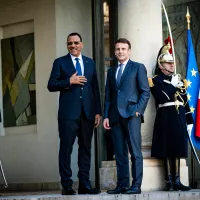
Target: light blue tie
[119,75]
[78,67]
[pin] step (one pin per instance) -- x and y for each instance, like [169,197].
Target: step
[153,176]
[156,195]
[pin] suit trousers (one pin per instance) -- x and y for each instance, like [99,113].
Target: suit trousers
[127,135]
[68,130]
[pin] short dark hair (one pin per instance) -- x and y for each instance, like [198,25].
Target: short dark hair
[74,34]
[123,40]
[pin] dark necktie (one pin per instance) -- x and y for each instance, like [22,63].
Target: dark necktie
[78,67]
[119,75]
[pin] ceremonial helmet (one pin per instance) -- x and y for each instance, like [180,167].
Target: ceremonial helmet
[165,55]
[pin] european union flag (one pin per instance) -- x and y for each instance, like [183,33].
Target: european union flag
[193,85]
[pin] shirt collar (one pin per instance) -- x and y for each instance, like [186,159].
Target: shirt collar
[79,57]
[124,63]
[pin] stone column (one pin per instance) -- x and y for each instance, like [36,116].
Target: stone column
[140,21]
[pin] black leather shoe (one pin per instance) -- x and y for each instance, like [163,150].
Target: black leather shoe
[68,191]
[179,186]
[118,190]
[133,190]
[87,189]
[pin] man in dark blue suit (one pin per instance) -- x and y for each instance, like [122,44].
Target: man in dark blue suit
[126,96]
[74,76]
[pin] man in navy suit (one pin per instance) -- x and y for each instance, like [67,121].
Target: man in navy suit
[126,96]
[74,76]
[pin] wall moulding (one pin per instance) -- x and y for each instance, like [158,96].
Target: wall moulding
[17,29]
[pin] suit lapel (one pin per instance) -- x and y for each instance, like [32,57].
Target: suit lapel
[126,71]
[86,66]
[114,75]
[70,66]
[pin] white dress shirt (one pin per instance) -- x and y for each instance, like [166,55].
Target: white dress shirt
[123,67]
[80,61]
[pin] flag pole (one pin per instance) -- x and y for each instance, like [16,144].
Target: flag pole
[188,18]
[192,155]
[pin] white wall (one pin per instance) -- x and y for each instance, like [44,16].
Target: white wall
[140,21]
[74,16]
[32,156]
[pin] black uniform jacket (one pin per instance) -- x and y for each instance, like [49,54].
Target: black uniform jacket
[170,137]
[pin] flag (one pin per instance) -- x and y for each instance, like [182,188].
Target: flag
[193,86]
[197,133]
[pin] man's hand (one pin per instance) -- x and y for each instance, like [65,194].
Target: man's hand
[97,120]
[189,128]
[106,124]
[137,114]
[175,80]
[80,80]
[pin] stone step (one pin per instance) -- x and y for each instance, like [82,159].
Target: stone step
[156,195]
[153,175]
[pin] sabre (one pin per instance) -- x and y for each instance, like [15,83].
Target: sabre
[3,175]
[170,33]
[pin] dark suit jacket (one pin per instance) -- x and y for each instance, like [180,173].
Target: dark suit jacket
[73,97]
[130,96]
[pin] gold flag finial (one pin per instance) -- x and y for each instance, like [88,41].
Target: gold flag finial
[188,18]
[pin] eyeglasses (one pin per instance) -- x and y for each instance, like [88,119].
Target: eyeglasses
[75,43]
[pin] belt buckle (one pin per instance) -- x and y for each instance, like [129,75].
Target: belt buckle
[177,103]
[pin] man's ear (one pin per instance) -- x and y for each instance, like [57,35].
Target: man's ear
[160,66]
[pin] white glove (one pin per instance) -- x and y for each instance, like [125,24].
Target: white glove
[175,80]
[189,128]
[180,84]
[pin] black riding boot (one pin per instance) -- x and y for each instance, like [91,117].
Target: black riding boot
[177,183]
[169,186]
